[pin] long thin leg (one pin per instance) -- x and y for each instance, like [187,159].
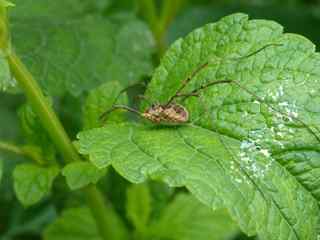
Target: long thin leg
[196,91]
[257,51]
[278,111]
[202,66]
[127,88]
[143,97]
[104,116]
[186,81]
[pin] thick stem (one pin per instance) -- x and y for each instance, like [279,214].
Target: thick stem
[149,11]
[103,214]
[39,104]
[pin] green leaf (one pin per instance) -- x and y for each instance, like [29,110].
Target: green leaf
[76,52]
[48,9]
[80,174]
[139,206]
[8,113]
[6,82]
[100,100]
[198,159]
[75,223]
[5,3]
[187,219]
[32,182]
[22,221]
[252,146]
[161,195]
[33,131]
[1,169]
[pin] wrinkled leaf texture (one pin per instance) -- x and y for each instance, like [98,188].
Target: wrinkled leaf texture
[247,153]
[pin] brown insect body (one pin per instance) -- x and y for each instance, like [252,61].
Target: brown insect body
[167,114]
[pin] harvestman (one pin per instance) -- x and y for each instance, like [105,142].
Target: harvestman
[174,113]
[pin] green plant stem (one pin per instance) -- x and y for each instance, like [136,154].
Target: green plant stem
[11,148]
[103,214]
[39,104]
[22,150]
[159,23]
[113,227]
[149,10]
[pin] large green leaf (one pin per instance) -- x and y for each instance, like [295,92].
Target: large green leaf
[252,146]
[187,219]
[32,182]
[67,50]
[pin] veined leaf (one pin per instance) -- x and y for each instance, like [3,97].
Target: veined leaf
[66,228]
[100,100]
[80,174]
[32,182]
[187,219]
[253,144]
[76,52]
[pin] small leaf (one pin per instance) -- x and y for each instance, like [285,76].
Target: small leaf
[80,174]
[75,223]
[139,206]
[187,219]
[100,100]
[33,131]
[7,83]
[1,169]
[32,182]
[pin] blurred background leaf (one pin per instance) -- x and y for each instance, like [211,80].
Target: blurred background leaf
[63,35]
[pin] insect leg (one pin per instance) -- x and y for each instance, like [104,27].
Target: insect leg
[306,126]
[257,51]
[196,92]
[204,65]
[185,82]
[104,116]
[143,97]
[127,88]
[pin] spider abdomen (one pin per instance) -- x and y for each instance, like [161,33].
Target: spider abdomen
[173,113]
